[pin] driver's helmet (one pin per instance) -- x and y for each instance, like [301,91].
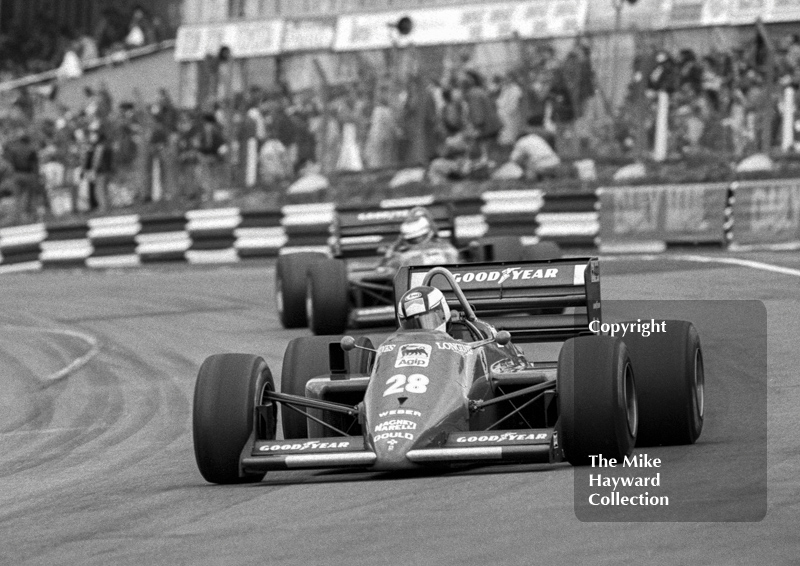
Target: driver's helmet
[424,308]
[419,227]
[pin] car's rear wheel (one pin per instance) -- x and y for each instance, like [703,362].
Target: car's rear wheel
[596,398]
[291,271]
[328,297]
[670,381]
[228,388]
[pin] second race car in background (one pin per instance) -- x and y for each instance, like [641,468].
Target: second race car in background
[352,286]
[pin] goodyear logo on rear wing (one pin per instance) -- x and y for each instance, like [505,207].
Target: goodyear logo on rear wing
[382,215]
[493,438]
[519,276]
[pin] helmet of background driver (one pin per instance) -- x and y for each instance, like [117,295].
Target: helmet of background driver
[419,227]
[423,308]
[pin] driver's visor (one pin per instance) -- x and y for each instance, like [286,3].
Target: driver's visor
[426,321]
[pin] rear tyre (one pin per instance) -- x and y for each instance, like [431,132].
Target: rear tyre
[328,297]
[228,388]
[291,271]
[670,382]
[596,399]
[307,358]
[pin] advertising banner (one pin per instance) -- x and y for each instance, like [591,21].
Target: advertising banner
[747,11]
[245,39]
[667,213]
[465,24]
[308,35]
[766,212]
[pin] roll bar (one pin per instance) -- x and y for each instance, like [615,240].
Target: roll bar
[469,313]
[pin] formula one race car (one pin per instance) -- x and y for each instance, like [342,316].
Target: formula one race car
[449,387]
[353,288]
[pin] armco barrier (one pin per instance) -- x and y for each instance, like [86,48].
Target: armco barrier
[651,218]
[766,214]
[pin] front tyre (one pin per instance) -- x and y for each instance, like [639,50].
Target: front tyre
[228,388]
[596,398]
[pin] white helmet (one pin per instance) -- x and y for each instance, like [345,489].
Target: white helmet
[423,308]
[418,227]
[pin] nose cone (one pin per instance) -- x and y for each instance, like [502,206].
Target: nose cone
[391,449]
[393,436]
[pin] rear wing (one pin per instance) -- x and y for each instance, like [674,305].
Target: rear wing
[533,300]
[368,232]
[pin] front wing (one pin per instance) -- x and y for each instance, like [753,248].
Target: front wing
[531,446]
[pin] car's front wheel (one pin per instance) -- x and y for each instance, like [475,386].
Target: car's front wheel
[228,388]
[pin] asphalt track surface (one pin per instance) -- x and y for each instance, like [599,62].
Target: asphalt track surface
[97,373]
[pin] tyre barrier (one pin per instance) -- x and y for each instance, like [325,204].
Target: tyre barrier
[647,219]
[198,236]
[21,247]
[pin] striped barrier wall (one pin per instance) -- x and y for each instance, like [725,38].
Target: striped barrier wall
[21,248]
[163,238]
[66,246]
[616,220]
[113,241]
[198,237]
[572,220]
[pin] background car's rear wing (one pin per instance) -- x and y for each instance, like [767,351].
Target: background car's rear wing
[366,232]
[534,300]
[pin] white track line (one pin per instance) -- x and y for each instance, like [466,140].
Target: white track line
[708,259]
[76,364]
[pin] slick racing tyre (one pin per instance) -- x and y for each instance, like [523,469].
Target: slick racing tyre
[596,399]
[291,271]
[328,297]
[307,358]
[670,383]
[228,388]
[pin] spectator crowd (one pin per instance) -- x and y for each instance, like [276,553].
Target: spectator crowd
[51,44]
[462,123]
[724,101]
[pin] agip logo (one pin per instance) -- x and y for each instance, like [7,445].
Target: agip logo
[413,355]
